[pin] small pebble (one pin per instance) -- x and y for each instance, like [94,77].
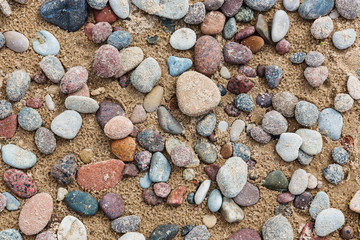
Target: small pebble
[311,141]
[236,129]
[240,84]
[280,25]
[64,170]
[245,33]
[5,109]
[285,103]
[322,27]
[282,47]
[264,100]
[244,102]
[343,102]
[242,151]
[277,227]
[74,79]
[262,28]
[288,146]
[353,87]
[126,224]
[12,204]
[202,191]
[206,152]
[235,53]
[334,173]
[230,28]
[71,228]
[314,59]
[124,149]
[320,203]
[312,181]
[178,65]
[340,155]
[285,197]
[245,14]
[209,221]
[260,5]
[303,201]
[17,85]
[298,57]
[213,23]
[153,99]
[151,140]
[276,180]
[49,45]
[231,211]
[12,234]
[19,183]
[112,205]
[330,123]
[259,135]
[254,43]
[167,121]
[226,150]
[189,174]
[120,8]
[145,181]
[176,197]
[344,39]
[212,171]
[29,119]
[225,73]
[298,182]
[214,201]
[160,168]
[61,194]
[107,61]
[16,41]
[181,156]
[274,123]
[165,231]
[306,113]
[199,232]
[183,39]
[195,14]
[138,115]
[118,127]
[207,55]
[213,4]
[347,232]
[118,39]
[231,110]
[143,160]
[190,198]
[273,75]
[291,5]
[248,196]
[45,140]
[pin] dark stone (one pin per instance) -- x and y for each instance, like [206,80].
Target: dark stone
[165,232]
[303,201]
[186,229]
[82,202]
[64,170]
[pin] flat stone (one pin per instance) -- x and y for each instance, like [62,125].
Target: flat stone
[334,173]
[17,85]
[82,202]
[141,79]
[280,25]
[322,27]
[320,203]
[206,151]
[126,224]
[298,182]
[277,227]
[178,65]
[167,122]
[330,123]
[213,23]
[306,113]
[165,231]
[202,192]
[298,57]
[183,39]
[311,141]
[328,221]
[344,39]
[276,180]
[18,157]
[248,196]
[353,87]
[236,129]
[130,58]
[198,232]
[160,168]
[288,146]
[312,9]
[67,124]
[52,68]
[235,53]
[48,46]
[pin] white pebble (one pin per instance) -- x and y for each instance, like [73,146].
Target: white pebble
[298,182]
[202,191]
[61,194]
[223,126]
[236,129]
[49,103]
[353,87]
[225,73]
[183,39]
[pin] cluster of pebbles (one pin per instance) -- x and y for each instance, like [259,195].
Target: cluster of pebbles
[196,95]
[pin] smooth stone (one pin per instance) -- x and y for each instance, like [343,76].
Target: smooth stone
[181,156]
[206,125]
[67,124]
[259,135]
[165,231]
[340,155]
[245,234]
[120,7]
[140,77]
[231,211]
[11,234]
[82,202]
[126,224]
[213,23]
[232,177]
[2,40]
[52,68]
[242,151]
[145,181]
[303,201]
[209,221]
[328,221]
[230,28]
[298,57]
[68,15]
[17,157]
[107,111]
[61,193]
[282,47]
[237,128]
[160,168]
[344,39]
[322,27]
[343,102]
[174,9]
[248,196]
[213,4]
[138,115]
[311,141]
[222,126]
[48,46]
[312,181]
[306,113]
[245,14]
[202,191]
[132,236]
[189,174]
[244,102]
[314,59]
[5,109]
[167,122]
[19,183]
[35,214]
[183,39]
[153,99]
[225,73]
[12,204]
[260,5]
[265,100]
[320,203]
[235,53]
[291,5]
[330,123]
[206,151]
[312,9]
[298,182]
[71,228]
[198,232]
[276,180]
[316,76]
[354,203]
[64,170]
[273,75]
[214,201]
[288,146]
[119,39]
[195,14]
[349,9]
[29,119]
[277,227]
[231,7]
[151,140]
[285,197]
[274,123]
[74,80]
[208,53]
[280,25]
[107,61]
[334,173]
[97,4]
[353,87]
[17,85]
[200,98]
[178,65]
[285,103]
[16,41]
[118,127]
[130,58]
[240,84]
[81,104]
[262,28]
[162,189]
[304,158]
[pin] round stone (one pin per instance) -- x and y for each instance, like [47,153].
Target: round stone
[107,61]
[288,146]
[245,14]
[71,228]
[19,183]
[209,221]
[274,123]
[347,232]
[344,39]
[340,155]
[183,39]
[328,221]
[322,27]
[17,157]
[298,182]
[334,173]
[303,201]
[17,85]
[181,156]
[330,123]
[248,196]
[291,5]
[16,41]
[343,102]
[151,140]
[118,127]
[349,9]
[235,53]
[213,23]
[277,227]
[214,201]
[353,87]
[306,113]
[244,102]
[29,119]
[316,76]
[112,205]
[282,47]
[276,180]
[119,39]
[5,109]
[314,59]
[67,124]
[320,203]
[286,197]
[311,141]
[285,103]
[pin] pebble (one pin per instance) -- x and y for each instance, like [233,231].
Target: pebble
[314,59]
[97,4]
[202,191]
[81,104]
[213,23]
[348,9]
[175,9]
[303,201]
[176,197]
[285,103]
[280,25]
[288,146]
[206,125]
[242,151]
[231,211]
[187,229]
[254,43]
[19,183]
[291,5]
[118,127]
[167,122]
[17,85]
[232,176]
[199,232]
[64,170]
[330,123]
[306,113]
[273,75]
[340,155]
[189,174]
[61,124]
[334,173]
[121,8]
[132,236]
[165,231]
[181,156]
[259,135]
[195,14]
[354,203]
[12,234]
[143,160]
[231,110]
[322,27]
[130,58]
[208,54]
[247,71]
[118,39]
[140,77]
[145,181]
[49,45]
[124,81]
[343,102]
[2,40]
[47,235]
[245,233]
[17,157]
[183,39]
[214,201]
[153,99]
[260,5]
[353,87]
[160,168]
[282,47]
[328,221]
[35,103]
[304,159]
[107,61]
[206,151]
[202,97]
[138,115]
[230,28]
[320,203]
[29,119]
[231,7]
[61,194]
[262,28]
[222,126]
[130,170]
[213,4]
[311,141]
[107,111]
[334,14]
[35,214]
[276,180]
[52,68]
[5,109]
[264,100]
[236,129]
[178,65]
[209,221]
[344,39]
[82,202]
[3,201]
[298,182]
[277,227]
[245,14]
[70,16]
[225,73]
[312,9]
[71,228]
[16,41]
[240,84]
[12,204]
[298,57]
[316,76]
[244,102]
[162,189]
[151,140]
[212,171]
[248,196]
[347,232]
[245,33]
[312,181]
[126,224]
[235,53]
[274,123]
[285,197]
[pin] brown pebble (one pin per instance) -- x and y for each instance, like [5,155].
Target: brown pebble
[176,197]
[213,23]
[124,149]
[88,30]
[255,43]
[226,150]
[347,232]
[130,170]
[86,155]
[150,197]
[260,70]
[212,170]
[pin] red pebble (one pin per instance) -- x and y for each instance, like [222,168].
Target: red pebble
[39,77]
[124,81]
[240,84]
[130,170]
[176,197]
[247,71]
[20,183]
[245,234]
[105,15]
[231,110]
[286,197]
[212,170]
[112,205]
[150,197]
[8,126]
[107,61]
[162,189]
[282,47]
[88,30]
[34,103]
[101,31]
[244,33]
[118,28]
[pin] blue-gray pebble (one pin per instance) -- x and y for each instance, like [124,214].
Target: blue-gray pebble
[160,168]
[17,157]
[145,181]
[230,28]
[241,150]
[206,151]
[17,85]
[344,39]
[306,113]
[298,57]
[168,122]
[5,109]
[97,4]
[2,40]
[244,102]
[340,155]
[82,202]
[29,119]
[10,234]
[119,39]
[304,158]
[214,200]
[320,203]
[312,9]
[206,125]
[260,5]
[48,46]
[328,221]
[330,123]
[334,173]
[178,65]
[277,227]
[12,204]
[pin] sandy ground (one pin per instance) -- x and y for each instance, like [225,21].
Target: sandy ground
[77,50]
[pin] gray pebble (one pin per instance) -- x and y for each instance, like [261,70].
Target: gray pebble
[277,227]
[81,104]
[52,68]
[334,173]
[200,233]
[274,123]
[344,39]
[330,123]
[167,121]
[126,224]
[306,113]
[12,204]
[17,85]
[5,109]
[242,151]
[29,119]
[45,140]
[340,155]
[314,59]
[328,221]
[206,125]
[260,5]
[304,158]
[291,5]
[311,141]
[206,152]
[230,28]
[285,103]
[298,57]
[343,102]
[320,203]
[195,14]
[146,75]
[67,124]
[298,182]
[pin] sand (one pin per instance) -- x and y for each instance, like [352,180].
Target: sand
[77,50]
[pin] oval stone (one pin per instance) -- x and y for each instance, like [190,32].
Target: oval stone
[108,110]
[48,46]
[330,123]
[17,85]
[130,58]
[142,79]
[67,124]
[207,55]
[245,234]
[151,140]
[248,196]
[118,127]
[81,104]
[214,201]
[165,231]
[260,5]
[160,168]
[112,205]
[64,170]
[183,39]
[52,68]
[312,9]
[82,202]
[12,234]
[107,61]
[328,221]
[20,183]
[74,80]
[349,9]
[277,227]
[16,41]
[235,53]
[17,157]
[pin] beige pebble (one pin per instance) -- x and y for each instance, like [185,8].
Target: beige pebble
[153,99]
[54,89]
[209,221]
[355,202]
[189,174]
[98,91]
[86,155]
[319,184]
[312,181]
[138,115]
[61,194]
[49,102]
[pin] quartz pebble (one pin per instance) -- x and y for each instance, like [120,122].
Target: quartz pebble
[202,192]
[18,157]
[209,221]
[334,173]
[183,39]
[288,146]
[277,227]
[231,211]
[344,39]
[236,129]
[328,221]
[322,27]
[71,228]
[330,123]
[49,45]
[280,25]
[225,73]
[61,194]
[320,203]
[343,102]
[312,181]
[12,204]
[311,141]
[353,87]
[298,57]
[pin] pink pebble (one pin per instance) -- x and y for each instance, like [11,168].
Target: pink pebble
[282,47]
[84,92]
[74,80]
[88,30]
[101,31]
[162,189]
[2,202]
[47,235]
[118,127]
[107,61]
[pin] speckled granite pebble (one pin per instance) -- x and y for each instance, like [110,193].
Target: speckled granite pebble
[306,113]
[19,183]
[29,119]
[344,39]
[274,123]
[126,224]
[277,227]
[17,85]
[298,57]
[195,14]
[322,27]
[340,155]
[334,173]
[199,232]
